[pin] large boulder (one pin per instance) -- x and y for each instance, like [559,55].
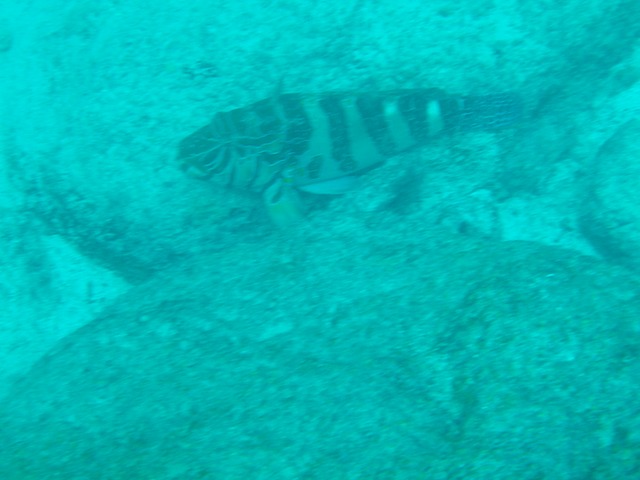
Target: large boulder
[611,214]
[429,358]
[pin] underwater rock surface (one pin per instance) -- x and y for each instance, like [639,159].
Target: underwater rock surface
[444,358]
[611,217]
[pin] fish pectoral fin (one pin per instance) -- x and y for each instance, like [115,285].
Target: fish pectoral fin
[283,203]
[335,186]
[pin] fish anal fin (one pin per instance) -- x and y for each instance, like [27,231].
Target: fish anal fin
[334,186]
[283,204]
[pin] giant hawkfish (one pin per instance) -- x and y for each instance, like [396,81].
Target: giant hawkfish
[320,143]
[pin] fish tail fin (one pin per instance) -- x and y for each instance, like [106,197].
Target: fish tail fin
[489,112]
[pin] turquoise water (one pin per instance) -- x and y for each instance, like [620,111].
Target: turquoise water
[468,309]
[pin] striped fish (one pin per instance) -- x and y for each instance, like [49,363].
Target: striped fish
[320,143]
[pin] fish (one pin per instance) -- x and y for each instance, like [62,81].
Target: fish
[321,143]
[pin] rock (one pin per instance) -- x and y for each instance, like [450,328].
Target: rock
[432,358]
[611,214]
